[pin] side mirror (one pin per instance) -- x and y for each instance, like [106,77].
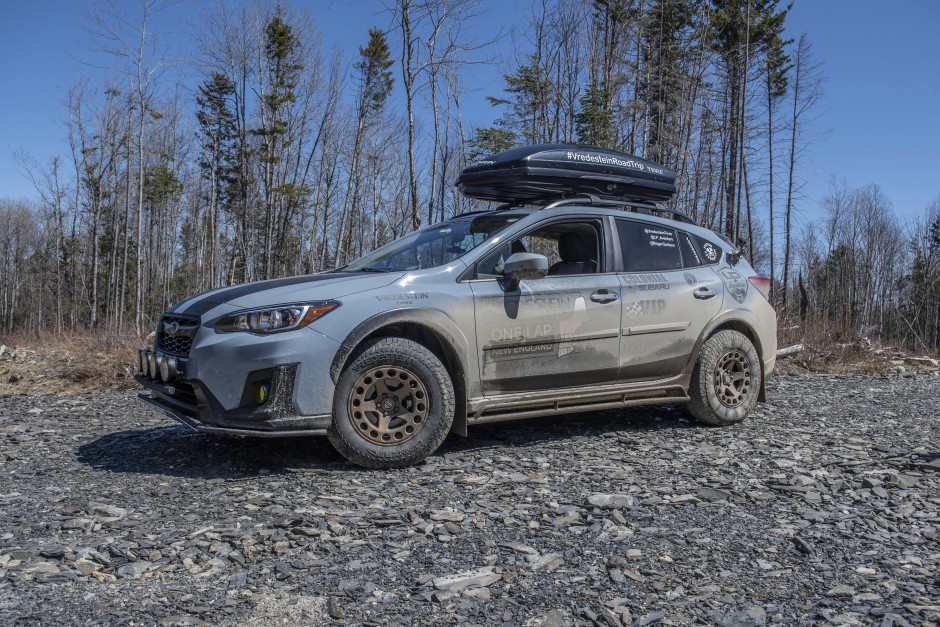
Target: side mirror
[524,266]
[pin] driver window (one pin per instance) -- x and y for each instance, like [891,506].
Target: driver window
[570,247]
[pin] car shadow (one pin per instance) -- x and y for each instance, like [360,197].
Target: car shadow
[179,452]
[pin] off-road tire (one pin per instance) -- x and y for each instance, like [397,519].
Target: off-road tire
[726,380]
[425,395]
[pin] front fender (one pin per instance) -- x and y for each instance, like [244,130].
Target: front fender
[448,334]
[436,321]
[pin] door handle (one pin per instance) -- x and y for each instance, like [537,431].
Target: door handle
[604,296]
[703,293]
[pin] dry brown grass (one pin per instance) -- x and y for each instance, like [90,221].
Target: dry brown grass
[72,363]
[828,350]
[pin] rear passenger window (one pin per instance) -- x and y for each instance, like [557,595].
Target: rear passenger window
[648,247]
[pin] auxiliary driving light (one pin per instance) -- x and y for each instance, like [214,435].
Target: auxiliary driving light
[262,393]
[168,369]
[152,370]
[142,362]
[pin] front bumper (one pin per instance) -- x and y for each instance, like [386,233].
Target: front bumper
[192,404]
[216,385]
[185,418]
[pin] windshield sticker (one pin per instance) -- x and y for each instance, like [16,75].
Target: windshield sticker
[711,253]
[736,284]
[644,308]
[646,282]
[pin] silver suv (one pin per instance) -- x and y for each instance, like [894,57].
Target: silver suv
[592,301]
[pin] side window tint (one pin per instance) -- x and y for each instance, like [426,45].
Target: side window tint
[648,247]
[691,257]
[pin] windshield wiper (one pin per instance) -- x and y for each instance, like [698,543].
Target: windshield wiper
[371,269]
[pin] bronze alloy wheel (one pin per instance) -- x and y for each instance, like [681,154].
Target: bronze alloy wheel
[388,405]
[732,378]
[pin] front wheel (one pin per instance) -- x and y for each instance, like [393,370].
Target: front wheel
[393,406]
[726,380]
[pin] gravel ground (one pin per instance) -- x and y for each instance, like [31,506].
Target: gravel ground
[823,508]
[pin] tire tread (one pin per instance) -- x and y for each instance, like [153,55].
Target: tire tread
[704,406]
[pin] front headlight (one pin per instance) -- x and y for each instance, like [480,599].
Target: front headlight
[275,319]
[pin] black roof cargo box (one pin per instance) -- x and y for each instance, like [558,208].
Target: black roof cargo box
[546,172]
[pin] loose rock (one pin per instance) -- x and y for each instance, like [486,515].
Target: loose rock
[821,508]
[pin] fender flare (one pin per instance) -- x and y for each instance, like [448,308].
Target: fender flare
[442,326]
[737,317]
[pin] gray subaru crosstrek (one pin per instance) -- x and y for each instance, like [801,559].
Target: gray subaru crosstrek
[578,293]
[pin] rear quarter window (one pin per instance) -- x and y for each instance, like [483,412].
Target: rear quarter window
[709,252]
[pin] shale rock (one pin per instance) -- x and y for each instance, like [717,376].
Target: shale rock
[822,508]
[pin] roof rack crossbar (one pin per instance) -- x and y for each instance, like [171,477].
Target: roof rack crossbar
[592,199]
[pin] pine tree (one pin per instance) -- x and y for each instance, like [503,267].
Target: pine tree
[282,54]
[375,85]
[666,23]
[530,93]
[218,132]
[737,27]
[489,141]
[595,121]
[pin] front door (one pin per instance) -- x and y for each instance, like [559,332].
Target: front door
[556,332]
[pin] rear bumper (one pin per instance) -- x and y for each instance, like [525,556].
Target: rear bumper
[769,364]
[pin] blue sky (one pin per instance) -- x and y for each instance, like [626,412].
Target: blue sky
[877,119]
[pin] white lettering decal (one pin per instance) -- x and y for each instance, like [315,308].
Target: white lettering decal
[611,160]
[527,332]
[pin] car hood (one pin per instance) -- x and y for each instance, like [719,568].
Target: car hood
[297,289]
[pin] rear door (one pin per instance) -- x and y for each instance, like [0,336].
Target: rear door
[556,332]
[669,296]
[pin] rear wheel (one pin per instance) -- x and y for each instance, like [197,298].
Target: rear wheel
[726,380]
[393,406]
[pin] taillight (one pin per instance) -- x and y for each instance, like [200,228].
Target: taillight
[762,284]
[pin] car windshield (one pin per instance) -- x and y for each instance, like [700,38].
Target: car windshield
[435,245]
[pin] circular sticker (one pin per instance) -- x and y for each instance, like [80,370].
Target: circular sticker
[710,252]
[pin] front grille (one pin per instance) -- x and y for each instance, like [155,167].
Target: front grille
[175,334]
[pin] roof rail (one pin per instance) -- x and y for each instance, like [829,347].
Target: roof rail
[636,206]
[502,207]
